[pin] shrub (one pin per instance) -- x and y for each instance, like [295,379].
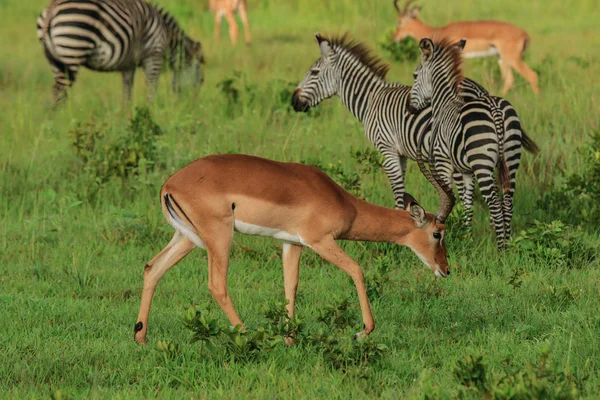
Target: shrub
[405,50]
[133,153]
[531,382]
[555,244]
[576,201]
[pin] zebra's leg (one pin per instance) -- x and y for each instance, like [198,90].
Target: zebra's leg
[465,185]
[127,84]
[152,68]
[394,166]
[64,77]
[489,191]
[176,81]
[512,153]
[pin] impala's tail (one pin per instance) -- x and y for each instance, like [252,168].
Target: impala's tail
[179,220]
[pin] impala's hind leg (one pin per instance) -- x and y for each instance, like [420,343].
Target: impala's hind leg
[177,248]
[217,238]
[243,10]
[233,28]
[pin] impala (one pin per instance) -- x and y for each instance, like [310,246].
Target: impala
[228,8]
[484,39]
[214,196]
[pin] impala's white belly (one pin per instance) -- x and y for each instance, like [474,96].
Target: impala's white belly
[256,230]
[492,51]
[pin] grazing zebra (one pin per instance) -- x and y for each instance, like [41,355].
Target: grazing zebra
[467,136]
[114,35]
[351,71]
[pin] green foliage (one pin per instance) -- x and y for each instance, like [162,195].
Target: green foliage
[133,153]
[405,50]
[377,278]
[370,160]
[346,354]
[555,245]
[279,322]
[533,382]
[337,315]
[576,201]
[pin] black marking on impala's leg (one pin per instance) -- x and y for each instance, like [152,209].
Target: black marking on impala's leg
[233,206]
[138,327]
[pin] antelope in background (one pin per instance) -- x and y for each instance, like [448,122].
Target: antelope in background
[214,196]
[228,8]
[484,39]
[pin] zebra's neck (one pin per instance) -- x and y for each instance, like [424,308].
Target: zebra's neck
[357,84]
[445,94]
[175,35]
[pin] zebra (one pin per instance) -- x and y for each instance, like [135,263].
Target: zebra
[114,35]
[351,71]
[468,136]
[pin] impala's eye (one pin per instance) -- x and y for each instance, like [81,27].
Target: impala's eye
[437,235]
[314,72]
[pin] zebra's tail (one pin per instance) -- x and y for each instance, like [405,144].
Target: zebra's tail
[503,172]
[528,144]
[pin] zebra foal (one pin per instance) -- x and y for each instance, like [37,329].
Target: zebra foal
[468,136]
[114,35]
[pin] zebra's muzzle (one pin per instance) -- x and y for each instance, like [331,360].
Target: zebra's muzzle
[298,104]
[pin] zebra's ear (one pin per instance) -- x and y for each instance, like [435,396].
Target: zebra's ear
[326,50]
[461,44]
[426,48]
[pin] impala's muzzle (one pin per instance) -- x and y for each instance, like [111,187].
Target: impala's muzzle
[297,102]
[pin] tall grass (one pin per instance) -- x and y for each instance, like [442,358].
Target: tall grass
[71,264]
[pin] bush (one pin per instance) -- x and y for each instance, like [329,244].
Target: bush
[405,50]
[531,382]
[576,201]
[555,244]
[135,152]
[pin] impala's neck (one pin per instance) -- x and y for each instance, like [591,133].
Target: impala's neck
[379,224]
[357,85]
[420,30]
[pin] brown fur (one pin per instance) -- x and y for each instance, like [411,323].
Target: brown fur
[509,40]
[216,194]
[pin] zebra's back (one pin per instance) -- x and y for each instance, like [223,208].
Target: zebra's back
[103,35]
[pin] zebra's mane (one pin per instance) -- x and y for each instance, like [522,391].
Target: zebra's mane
[361,51]
[169,20]
[450,53]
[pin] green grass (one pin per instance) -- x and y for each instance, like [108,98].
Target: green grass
[71,267]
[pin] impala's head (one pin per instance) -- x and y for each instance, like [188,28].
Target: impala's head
[407,24]
[342,60]
[427,239]
[441,66]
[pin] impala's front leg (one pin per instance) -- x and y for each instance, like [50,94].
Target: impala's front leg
[291,270]
[330,251]
[177,248]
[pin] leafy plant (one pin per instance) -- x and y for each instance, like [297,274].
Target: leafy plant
[337,315]
[238,92]
[377,278]
[576,201]
[555,244]
[279,322]
[405,50]
[370,161]
[204,330]
[532,382]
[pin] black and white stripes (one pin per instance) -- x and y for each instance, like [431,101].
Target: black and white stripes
[470,139]
[114,35]
[349,70]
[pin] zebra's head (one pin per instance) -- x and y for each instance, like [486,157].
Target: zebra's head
[321,80]
[439,64]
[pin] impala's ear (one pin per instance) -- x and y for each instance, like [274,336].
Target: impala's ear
[414,12]
[326,50]
[461,44]
[416,211]
[426,48]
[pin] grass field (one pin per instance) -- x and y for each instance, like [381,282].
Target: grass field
[72,252]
